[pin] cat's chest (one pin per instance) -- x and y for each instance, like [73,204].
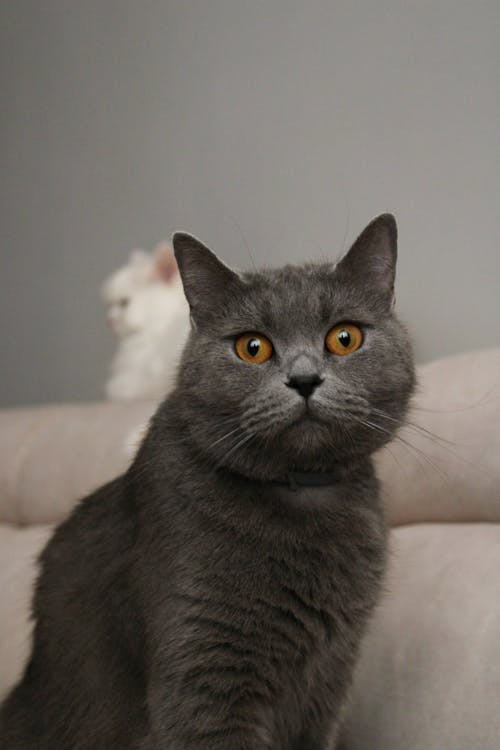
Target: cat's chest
[302,562]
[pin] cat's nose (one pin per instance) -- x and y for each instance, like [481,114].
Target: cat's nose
[305,384]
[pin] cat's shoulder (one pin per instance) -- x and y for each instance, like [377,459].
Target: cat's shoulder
[94,530]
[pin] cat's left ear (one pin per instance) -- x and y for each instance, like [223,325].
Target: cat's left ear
[164,268]
[371,261]
[207,281]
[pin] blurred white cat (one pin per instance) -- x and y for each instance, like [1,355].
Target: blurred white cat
[148,312]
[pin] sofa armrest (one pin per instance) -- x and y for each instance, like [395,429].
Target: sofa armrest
[456,475]
[53,455]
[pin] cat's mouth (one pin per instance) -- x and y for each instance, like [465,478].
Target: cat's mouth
[311,414]
[308,417]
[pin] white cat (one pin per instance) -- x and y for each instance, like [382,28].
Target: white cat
[149,313]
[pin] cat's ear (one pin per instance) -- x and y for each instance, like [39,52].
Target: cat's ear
[207,281]
[164,268]
[371,261]
[139,257]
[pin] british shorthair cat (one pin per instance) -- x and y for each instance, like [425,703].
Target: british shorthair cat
[214,597]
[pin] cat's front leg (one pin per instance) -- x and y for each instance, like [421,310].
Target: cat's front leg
[227,741]
[322,722]
[206,720]
[319,737]
[225,738]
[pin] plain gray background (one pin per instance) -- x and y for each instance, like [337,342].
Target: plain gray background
[278,127]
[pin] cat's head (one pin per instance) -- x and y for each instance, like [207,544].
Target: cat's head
[142,290]
[299,368]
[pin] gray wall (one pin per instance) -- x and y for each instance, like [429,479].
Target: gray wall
[276,127]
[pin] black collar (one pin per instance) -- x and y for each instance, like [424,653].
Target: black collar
[295,479]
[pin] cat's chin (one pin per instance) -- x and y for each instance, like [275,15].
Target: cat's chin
[307,434]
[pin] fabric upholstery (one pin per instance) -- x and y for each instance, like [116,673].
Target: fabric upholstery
[19,549]
[51,456]
[455,477]
[429,674]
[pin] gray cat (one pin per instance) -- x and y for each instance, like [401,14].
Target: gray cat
[215,595]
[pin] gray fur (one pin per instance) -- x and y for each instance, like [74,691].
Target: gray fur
[193,604]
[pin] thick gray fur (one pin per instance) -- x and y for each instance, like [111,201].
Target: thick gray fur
[191,604]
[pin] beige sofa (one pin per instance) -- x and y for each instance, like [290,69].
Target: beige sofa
[429,676]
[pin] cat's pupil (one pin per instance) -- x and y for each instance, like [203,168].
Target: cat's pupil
[344,338]
[253,347]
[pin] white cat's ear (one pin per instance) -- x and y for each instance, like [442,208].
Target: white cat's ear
[207,281]
[165,266]
[371,261]
[139,257]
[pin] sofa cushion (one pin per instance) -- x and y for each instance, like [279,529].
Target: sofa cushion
[19,549]
[429,674]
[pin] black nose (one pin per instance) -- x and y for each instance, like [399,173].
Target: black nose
[304,384]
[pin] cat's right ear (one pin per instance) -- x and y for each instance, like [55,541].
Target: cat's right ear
[207,281]
[371,262]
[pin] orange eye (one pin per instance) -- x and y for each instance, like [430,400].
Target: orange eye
[344,339]
[253,347]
